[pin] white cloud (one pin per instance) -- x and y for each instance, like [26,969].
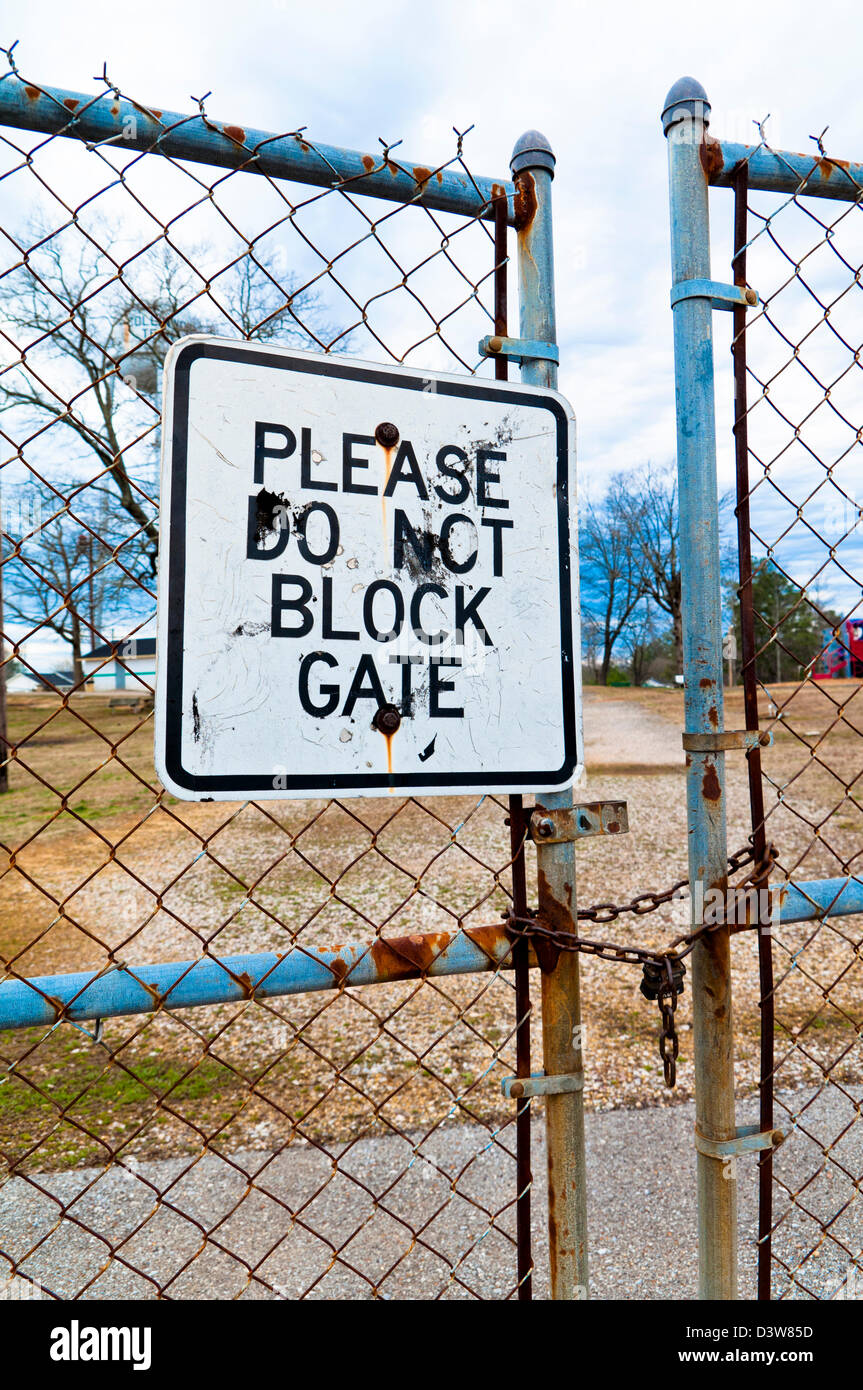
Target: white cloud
[593,78]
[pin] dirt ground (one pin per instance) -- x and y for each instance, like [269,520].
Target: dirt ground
[102,866]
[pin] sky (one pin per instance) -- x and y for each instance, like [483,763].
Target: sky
[591,77]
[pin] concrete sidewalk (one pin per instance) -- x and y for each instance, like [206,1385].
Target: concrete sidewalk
[642,1216]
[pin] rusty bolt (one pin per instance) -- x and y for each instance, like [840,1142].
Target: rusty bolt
[387,719]
[544,827]
[750,296]
[387,434]
[516,1090]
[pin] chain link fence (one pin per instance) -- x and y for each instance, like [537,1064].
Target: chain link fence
[799,428]
[296,1146]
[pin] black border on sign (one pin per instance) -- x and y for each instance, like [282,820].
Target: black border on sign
[372,781]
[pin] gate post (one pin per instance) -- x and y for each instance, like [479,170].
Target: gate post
[684,122]
[532,167]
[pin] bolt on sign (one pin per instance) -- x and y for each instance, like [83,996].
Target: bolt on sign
[367,580]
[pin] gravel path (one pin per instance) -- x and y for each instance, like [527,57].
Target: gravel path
[625,735]
[642,1216]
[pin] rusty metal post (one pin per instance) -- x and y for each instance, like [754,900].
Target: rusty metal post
[517,824]
[684,121]
[532,166]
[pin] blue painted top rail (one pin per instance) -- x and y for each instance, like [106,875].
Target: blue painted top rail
[131,126]
[778,171]
[127,990]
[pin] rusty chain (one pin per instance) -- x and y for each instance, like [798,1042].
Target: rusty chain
[663,969]
[644,903]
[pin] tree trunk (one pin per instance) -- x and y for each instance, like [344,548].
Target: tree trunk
[77,664]
[677,624]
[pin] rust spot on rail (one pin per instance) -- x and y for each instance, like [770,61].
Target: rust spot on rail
[407,957]
[235,132]
[826,167]
[244,980]
[368,163]
[524,206]
[71,103]
[32,92]
[339,968]
[712,161]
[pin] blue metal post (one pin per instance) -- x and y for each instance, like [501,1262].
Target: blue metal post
[684,120]
[533,170]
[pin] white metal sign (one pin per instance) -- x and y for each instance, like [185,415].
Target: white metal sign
[367,580]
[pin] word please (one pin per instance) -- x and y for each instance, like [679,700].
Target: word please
[355,474]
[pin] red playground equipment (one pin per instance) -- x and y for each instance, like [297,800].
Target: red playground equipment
[843,654]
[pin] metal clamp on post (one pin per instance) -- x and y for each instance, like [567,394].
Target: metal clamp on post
[519,349]
[566,826]
[749,1139]
[726,741]
[538,1084]
[720,296]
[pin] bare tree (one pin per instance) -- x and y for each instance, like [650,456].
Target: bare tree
[639,641]
[644,503]
[67,572]
[612,583]
[92,339]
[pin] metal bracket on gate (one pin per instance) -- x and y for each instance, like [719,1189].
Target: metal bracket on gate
[519,349]
[750,1139]
[564,826]
[720,296]
[538,1084]
[727,740]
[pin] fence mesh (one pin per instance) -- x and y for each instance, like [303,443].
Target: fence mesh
[804,420]
[287,1147]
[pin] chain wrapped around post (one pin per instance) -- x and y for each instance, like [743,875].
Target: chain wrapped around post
[663,968]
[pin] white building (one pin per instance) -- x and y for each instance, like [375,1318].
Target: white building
[26,682]
[127,663]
